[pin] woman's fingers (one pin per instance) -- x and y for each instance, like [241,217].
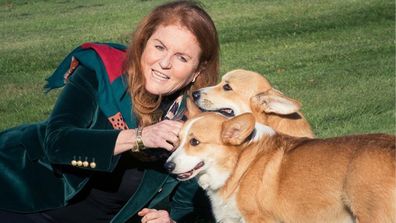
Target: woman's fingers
[163,134]
[171,126]
[144,211]
[154,216]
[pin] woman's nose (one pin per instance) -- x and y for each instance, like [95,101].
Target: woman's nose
[165,62]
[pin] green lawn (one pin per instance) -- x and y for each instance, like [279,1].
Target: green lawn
[336,56]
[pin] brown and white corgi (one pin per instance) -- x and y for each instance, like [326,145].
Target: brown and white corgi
[243,91]
[253,174]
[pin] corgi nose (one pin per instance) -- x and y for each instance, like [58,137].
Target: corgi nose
[196,95]
[170,166]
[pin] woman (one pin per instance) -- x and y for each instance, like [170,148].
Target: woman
[99,156]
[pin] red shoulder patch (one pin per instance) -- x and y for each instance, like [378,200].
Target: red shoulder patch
[112,58]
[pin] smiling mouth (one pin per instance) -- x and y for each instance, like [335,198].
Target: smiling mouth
[189,174]
[159,75]
[228,112]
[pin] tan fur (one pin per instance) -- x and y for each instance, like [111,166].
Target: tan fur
[280,178]
[252,92]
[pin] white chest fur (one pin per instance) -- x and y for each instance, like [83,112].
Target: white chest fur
[225,211]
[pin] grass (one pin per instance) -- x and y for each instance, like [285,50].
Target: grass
[336,56]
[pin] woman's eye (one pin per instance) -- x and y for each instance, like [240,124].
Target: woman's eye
[182,59]
[194,142]
[227,87]
[159,47]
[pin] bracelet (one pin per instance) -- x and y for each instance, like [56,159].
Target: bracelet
[139,145]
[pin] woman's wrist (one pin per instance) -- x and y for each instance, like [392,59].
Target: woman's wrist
[139,145]
[125,141]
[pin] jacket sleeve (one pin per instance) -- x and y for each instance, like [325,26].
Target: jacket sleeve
[69,140]
[190,203]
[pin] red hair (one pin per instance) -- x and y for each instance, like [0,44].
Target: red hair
[187,14]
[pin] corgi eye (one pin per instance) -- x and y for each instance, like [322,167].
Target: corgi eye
[194,142]
[227,87]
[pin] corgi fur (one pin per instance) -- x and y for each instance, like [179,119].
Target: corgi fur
[243,91]
[253,174]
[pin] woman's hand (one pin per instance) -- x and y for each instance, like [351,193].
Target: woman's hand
[164,134]
[155,216]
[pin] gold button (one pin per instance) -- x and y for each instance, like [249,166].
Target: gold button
[74,163]
[85,164]
[79,163]
[92,164]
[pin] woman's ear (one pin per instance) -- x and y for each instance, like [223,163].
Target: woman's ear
[195,76]
[201,68]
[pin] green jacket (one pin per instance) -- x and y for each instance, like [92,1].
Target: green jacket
[41,164]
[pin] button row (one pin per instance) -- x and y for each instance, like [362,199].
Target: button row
[84,164]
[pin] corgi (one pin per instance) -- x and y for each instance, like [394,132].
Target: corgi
[243,91]
[253,174]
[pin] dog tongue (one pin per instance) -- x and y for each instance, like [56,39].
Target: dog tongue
[185,175]
[227,111]
[189,173]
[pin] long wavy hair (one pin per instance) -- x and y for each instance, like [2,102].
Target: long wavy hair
[188,14]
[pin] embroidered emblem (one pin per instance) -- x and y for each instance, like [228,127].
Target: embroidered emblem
[73,65]
[118,122]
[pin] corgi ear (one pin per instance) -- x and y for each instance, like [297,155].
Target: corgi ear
[237,129]
[192,108]
[273,101]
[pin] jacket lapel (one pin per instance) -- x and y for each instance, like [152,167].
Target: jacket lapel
[124,101]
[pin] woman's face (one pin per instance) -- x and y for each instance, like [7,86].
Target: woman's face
[170,59]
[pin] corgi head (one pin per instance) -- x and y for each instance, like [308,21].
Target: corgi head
[242,91]
[209,147]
